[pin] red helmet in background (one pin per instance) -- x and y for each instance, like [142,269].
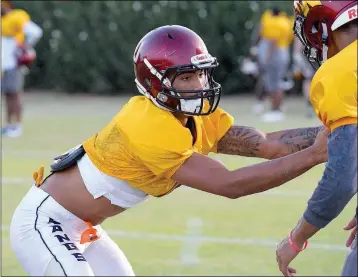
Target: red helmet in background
[6,4]
[5,7]
[165,53]
[316,20]
[26,56]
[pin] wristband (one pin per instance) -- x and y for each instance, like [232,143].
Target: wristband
[294,247]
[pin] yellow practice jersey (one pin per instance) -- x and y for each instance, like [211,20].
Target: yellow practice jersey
[286,36]
[266,22]
[277,28]
[145,145]
[333,90]
[12,24]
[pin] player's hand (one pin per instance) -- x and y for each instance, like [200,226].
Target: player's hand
[284,256]
[319,148]
[352,225]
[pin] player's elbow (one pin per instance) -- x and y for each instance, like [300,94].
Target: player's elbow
[232,192]
[40,32]
[33,32]
[233,195]
[233,186]
[37,34]
[230,195]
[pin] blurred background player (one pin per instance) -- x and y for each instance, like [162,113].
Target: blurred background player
[273,58]
[303,70]
[19,35]
[262,43]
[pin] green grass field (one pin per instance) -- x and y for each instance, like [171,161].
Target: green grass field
[188,232]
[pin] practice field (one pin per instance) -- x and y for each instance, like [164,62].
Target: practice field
[187,232]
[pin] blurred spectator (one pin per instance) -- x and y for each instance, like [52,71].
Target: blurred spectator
[275,38]
[19,35]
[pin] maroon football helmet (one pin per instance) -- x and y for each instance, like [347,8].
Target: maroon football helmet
[316,20]
[165,53]
[26,56]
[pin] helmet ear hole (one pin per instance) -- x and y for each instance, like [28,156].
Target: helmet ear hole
[315,37]
[315,27]
[148,83]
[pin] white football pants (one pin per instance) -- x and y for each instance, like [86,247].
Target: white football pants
[46,240]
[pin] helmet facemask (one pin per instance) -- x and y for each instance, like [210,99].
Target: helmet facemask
[315,48]
[315,55]
[190,102]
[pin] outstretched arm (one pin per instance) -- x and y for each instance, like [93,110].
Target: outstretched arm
[250,142]
[206,174]
[337,186]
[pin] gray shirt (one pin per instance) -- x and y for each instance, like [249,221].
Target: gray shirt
[339,181]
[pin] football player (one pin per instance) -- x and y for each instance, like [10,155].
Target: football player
[273,58]
[18,37]
[328,30]
[264,43]
[156,143]
[276,65]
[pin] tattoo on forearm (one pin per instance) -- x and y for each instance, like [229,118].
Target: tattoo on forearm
[243,141]
[250,142]
[298,139]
